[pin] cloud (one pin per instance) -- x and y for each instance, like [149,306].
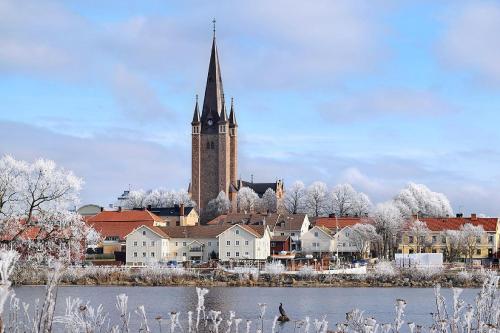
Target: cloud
[136,98]
[470,40]
[401,103]
[108,164]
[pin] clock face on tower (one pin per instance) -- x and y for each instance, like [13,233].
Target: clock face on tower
[210,122]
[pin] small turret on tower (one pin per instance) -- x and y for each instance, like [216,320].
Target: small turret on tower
[232,115]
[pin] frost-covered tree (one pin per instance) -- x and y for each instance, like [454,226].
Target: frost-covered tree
[472,235]
[218,206]
[135,199]
[38,204]
[388,221]
[159,198]
[269,202]
[317,199]
[420,232]
[362,206]
[345,201]
[247,200]
[419,199]
[363,235]
[295,198]
[455,244]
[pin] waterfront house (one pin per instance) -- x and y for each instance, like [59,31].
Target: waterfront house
[242,241]
[435,241]
[318,241]
[293,225]
[115,225]
[161,244]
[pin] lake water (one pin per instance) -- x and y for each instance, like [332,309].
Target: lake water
[298,302]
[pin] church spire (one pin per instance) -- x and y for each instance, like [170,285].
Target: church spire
[232,115]
[196,115]
[214,93]
[223,114]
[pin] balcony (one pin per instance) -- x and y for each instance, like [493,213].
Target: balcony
[196,250]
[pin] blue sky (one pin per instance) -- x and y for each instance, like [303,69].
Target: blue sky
[375,94]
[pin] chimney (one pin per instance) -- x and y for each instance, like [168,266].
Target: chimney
[181,210]
[148,207]
[119,208]
[332,215]
[473,216]
[414,216]
[102,209]
[460,215]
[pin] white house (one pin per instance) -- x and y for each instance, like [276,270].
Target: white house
[344,243]
[145,245]
[317,241]
[293,225]
[241,241]
[148,244]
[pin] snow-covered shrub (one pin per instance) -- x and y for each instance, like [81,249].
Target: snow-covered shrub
[274,268]
[384,269]
[306,272]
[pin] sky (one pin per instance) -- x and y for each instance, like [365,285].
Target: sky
[376,94]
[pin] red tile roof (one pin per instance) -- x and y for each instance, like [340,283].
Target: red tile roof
[120,229]
[454,223]
[124,216]
[341,222]
[120,224]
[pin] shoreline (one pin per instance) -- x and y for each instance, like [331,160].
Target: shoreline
[263,281]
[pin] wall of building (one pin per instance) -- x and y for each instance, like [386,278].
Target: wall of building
[315,240]
[145,246]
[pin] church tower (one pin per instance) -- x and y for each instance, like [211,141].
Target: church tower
[214,164]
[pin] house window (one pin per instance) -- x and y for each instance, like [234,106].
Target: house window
[443,240]
[152,254]
[316,234]
[144,243]
[282,234]
[209,243]
[273,243]
[144,254]
[183,243]
[212,145]
[490,239]
[183,254]
[228,242]
[152,243]
[237,242]
[246,242]
[177,224]
[478,240]
[478,252]
[434,239]
[237,232]
[228,254]
[208,145]
[410,239]
[144,232]
[135,243]
[135,254]
[434,251]
[246,253]
[237,254]
[292,234]
[176,243]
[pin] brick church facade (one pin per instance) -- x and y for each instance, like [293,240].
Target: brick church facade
[214,159]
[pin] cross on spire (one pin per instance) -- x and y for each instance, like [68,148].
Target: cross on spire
[213,22]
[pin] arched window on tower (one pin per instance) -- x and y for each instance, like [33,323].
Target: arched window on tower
[208,145]
[212,145]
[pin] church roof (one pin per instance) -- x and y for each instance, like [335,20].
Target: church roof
[196,115]
[260,188]
[213,101]
[232,115]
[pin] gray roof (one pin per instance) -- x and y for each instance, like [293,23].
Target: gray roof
[259,188]
[170,211]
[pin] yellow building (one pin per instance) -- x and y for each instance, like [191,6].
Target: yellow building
[438,238]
